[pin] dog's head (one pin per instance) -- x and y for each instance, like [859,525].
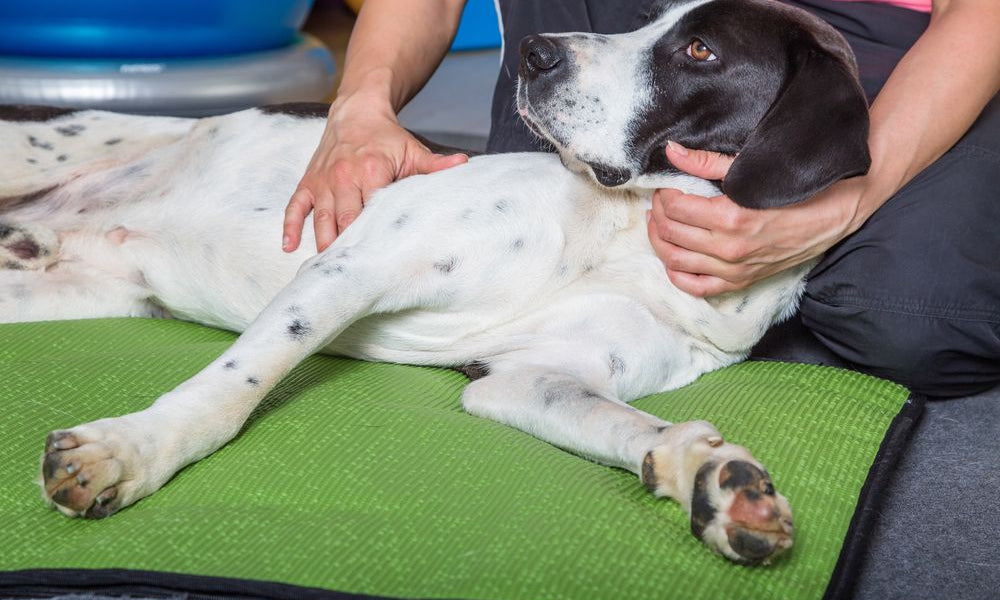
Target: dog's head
[772,84]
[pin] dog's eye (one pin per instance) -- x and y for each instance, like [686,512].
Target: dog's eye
[700,52]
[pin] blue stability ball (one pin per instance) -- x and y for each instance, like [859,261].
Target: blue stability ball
[144,29]
[479,28]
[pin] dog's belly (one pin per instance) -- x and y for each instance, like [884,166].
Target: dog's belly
[483,241]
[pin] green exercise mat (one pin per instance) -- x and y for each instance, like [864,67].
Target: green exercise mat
[369,479]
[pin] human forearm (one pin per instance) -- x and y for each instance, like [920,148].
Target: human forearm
[395,47]
[932,97]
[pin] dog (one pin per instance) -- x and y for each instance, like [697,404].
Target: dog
[532,271]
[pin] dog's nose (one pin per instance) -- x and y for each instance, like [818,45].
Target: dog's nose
[538,55]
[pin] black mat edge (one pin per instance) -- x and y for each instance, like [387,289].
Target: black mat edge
[44,583]
[852,553]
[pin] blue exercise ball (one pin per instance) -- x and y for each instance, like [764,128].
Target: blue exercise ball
[141,29]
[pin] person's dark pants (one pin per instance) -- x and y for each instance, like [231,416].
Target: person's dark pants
[914,295]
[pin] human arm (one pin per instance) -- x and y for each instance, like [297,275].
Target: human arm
[711,245]
[394,48]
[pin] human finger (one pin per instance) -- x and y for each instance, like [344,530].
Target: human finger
[700,163]
[299,206]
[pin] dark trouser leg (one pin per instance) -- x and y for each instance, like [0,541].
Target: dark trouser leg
[914,296]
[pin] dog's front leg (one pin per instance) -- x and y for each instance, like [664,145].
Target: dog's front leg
[97,468]
[732,504]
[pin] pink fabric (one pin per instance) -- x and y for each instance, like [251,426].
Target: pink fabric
[921,5]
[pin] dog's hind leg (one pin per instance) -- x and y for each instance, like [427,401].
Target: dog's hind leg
[70,294]
[728,495]
[42,148]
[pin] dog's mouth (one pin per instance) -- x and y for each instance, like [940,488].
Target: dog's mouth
[609,176]
[606,175]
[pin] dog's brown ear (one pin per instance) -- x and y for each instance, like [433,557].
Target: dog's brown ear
[814,134]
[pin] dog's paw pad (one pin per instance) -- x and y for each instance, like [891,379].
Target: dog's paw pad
[737,512]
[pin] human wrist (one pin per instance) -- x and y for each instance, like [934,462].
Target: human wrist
[868,193]
[370,92]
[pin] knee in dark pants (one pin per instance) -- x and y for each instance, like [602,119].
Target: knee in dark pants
[934,356]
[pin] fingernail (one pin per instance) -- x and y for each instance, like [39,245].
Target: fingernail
[677,148]
[286,242]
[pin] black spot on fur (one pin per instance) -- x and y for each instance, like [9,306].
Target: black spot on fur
[302,110]
[5,230]
[402,220]
[558,393]
[334,270]
[132,170]
[13,266]
[62,158]
[743,304]
[37,143]
[28,113]
[501,206]
[25,249]
[616,364]
[474,370]
[299,329]
[702,510]
[31,161]
[113,141]
[447,265]
[253,381]
[230,365]
[70,130]
[648,476]
[517,245]
[261,209]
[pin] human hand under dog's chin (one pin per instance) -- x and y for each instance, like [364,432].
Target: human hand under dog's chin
[362,150]
[711,246]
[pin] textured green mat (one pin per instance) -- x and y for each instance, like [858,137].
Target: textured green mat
[374,481]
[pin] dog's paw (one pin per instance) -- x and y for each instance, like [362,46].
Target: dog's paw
[92,470]
[737,512]
[733,505]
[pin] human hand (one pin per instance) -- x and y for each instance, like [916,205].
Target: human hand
[361,150]
[712,245]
